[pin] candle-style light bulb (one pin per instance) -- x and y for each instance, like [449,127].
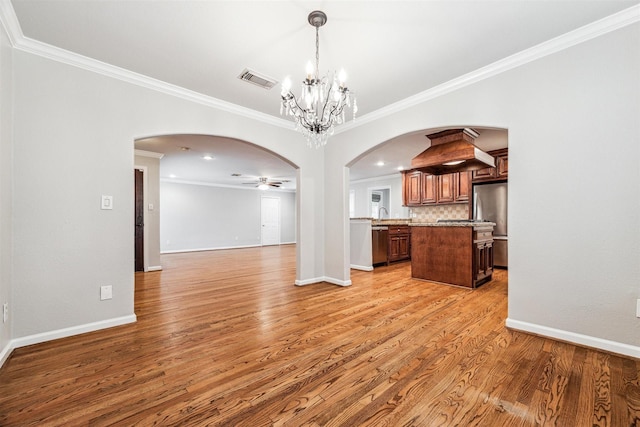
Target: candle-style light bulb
[342,77]
[310,70]
[286,86]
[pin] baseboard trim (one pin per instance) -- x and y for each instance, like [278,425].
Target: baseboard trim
[179,251]
[361,267]
[323,279]
[63,333]
[154,268]
[574,338]
[5,353]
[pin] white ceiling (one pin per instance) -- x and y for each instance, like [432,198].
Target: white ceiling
[391,50]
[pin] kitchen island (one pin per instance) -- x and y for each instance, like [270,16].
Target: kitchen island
[457,253]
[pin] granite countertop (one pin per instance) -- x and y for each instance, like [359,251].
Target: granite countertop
[385,221]
[453,224]
[391,221]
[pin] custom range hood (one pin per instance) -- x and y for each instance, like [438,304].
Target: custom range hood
[451,151]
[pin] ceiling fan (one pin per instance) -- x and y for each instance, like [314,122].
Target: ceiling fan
[263,182]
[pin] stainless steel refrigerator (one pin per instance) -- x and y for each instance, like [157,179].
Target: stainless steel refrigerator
[490,204]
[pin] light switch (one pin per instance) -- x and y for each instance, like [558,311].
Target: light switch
[150,206]
[106,292]
[107,202]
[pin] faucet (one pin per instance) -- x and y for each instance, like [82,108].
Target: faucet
[380,212]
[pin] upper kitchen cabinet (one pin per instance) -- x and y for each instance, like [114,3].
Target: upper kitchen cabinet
[462,186]
[422,189]
[412,188]
[499,173]
[429,188]
[446,188]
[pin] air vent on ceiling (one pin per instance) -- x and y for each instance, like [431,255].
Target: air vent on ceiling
[257,79]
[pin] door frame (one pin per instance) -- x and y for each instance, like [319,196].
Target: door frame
[145,237]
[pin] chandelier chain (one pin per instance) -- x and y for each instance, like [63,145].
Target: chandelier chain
[317,52]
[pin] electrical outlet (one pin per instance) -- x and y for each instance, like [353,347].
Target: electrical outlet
[5,312]
[638,307]
[106,292]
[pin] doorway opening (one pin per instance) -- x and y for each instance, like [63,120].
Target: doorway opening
[379,207]
[139,219]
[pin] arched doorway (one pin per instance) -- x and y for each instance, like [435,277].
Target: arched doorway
[208,186]
[383,166]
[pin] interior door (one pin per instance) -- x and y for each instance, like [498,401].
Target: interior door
[270,218]
[139,220]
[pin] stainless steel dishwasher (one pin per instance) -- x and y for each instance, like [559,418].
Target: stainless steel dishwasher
[379,244]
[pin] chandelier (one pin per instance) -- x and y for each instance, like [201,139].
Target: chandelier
[322,102]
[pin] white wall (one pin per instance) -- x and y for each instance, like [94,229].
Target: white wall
[200,217]
[73,142]
[6,187]
[363,188]
[574,184]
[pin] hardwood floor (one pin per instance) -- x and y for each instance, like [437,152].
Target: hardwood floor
[224,338]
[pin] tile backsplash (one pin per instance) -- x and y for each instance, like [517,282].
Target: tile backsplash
[433,213]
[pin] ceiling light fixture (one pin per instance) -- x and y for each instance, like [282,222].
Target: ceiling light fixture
[322,102]
[207,157]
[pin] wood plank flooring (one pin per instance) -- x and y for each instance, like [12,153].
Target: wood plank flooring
[224,338]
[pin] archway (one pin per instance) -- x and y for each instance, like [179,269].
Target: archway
[382,166]
[222,175]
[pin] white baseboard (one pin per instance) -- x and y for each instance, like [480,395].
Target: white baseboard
[5,353]
[323,279]
[154,268]
[63,333]
[179,251]
[361,267]
[572,337]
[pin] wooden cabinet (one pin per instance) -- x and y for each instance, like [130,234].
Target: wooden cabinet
[483,255]
[429,189]
[499,173]
[446,188]
[412,185]
[462,186]
[421,189]
[458,255]
[399,242]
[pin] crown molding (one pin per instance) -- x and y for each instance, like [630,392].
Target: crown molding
[12,27]
[10,22]
[590,31]
[145,153]
[595,29]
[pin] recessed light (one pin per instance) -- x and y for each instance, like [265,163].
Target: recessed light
[380,163]
[172,176]
[207,157]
